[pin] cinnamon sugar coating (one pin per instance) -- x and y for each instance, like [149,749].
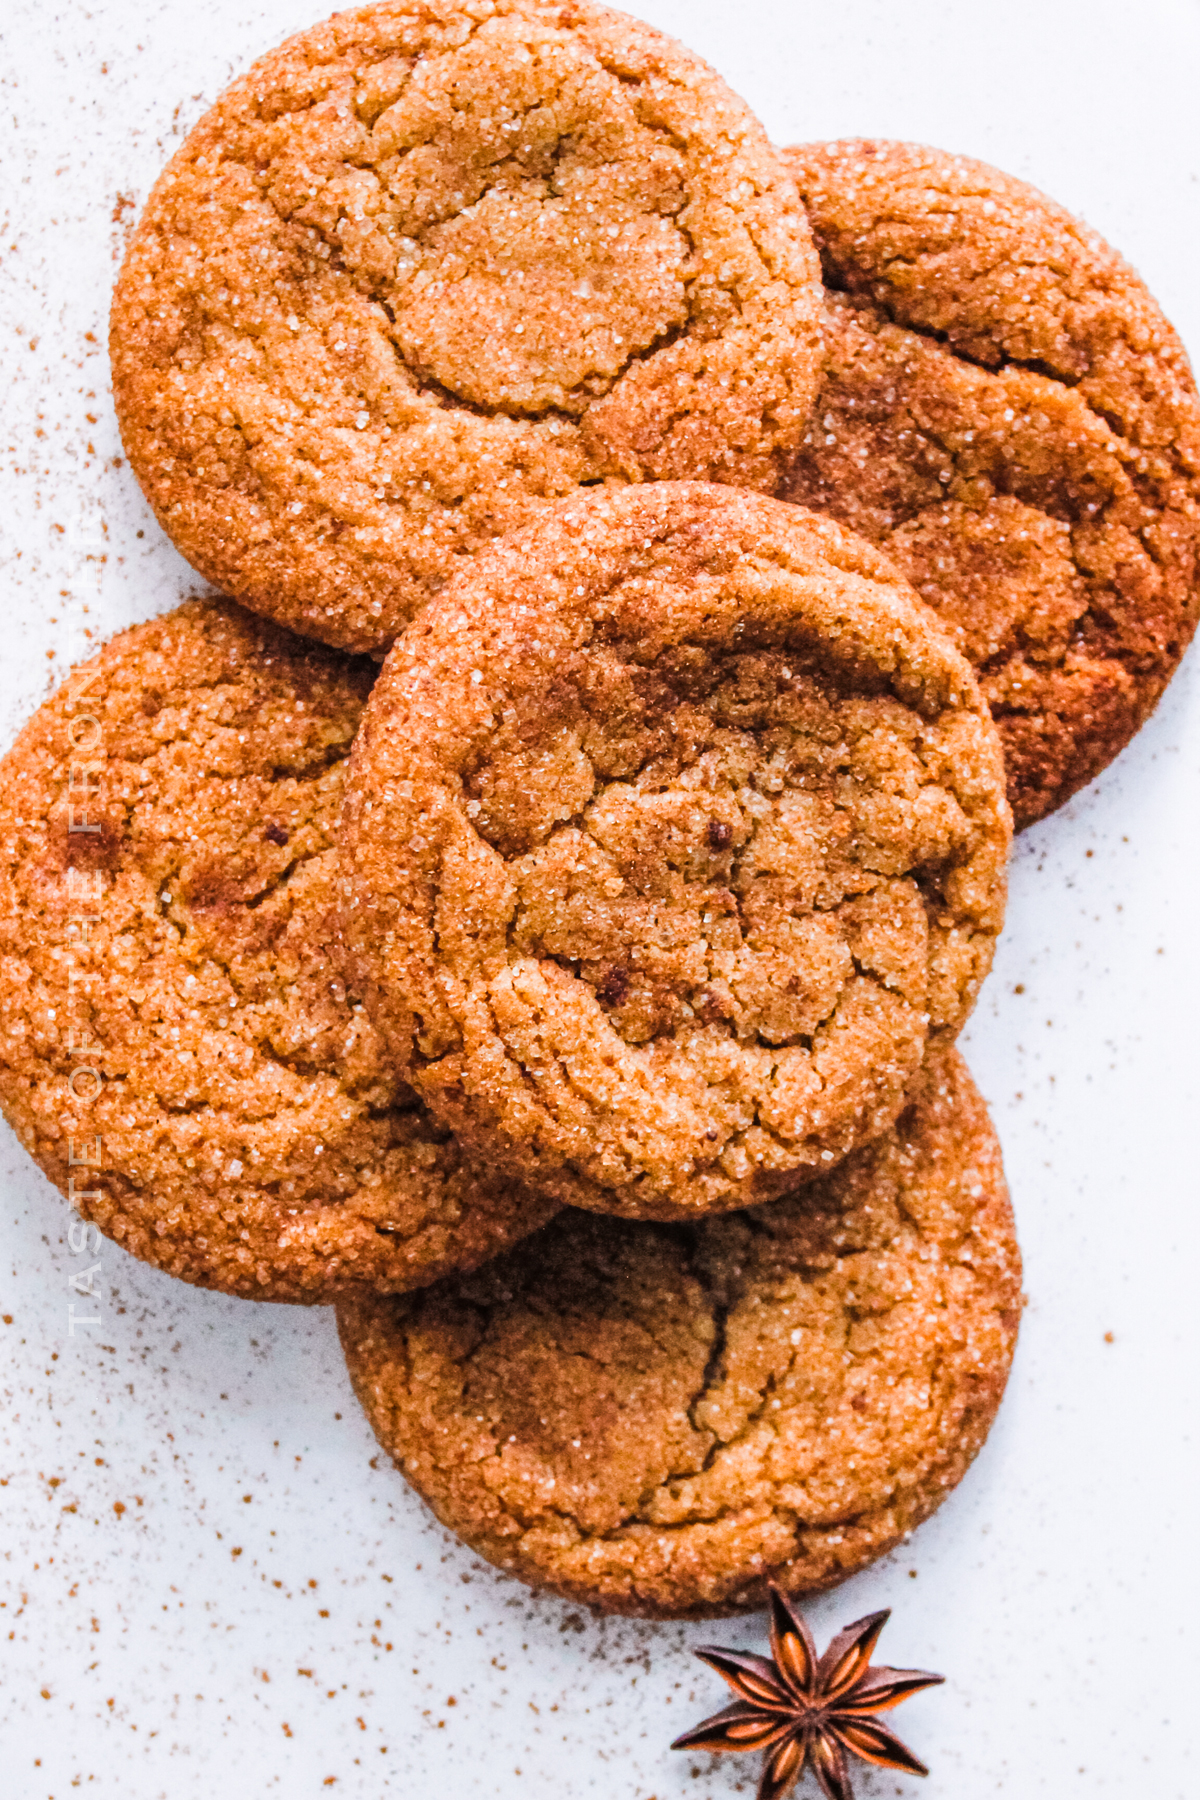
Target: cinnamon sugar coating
[435,262]
[166,989]
[660,1419]
[674,831]
[1007,412]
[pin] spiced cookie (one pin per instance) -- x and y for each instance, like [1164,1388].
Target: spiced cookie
[673,831]
[658,1419]
[427,266]
[177,1051]
[1007,413]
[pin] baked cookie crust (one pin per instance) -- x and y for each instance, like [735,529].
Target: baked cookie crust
[673,832]
[1007,412]
[177,1050]
[658,1420]
[427,266]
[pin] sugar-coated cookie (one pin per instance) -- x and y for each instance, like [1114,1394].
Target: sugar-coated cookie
[177,1050]
[658,1419]
[434,262]
[1008,414]
[674,831]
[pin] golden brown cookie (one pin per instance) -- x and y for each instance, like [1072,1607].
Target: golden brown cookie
[674,829]
[1009,415]
[428,265]
[176,1049]
[659,1419]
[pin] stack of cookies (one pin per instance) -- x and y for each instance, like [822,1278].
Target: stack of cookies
[746,537]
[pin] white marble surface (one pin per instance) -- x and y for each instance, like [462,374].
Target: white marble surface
[273,1612]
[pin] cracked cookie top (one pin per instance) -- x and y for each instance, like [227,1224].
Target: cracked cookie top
[658,1419]
[429,265]
[177,1050]
[673,831]
[1007,412]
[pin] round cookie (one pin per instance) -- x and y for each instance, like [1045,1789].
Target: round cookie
[660,1419]
[177,1051]
[427,266]
[1007,412]
[674,830]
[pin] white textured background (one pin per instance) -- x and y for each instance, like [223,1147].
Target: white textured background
[271,1612]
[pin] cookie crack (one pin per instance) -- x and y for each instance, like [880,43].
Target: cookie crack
[1005,481]
[377,289]
[714,1367]
[892,313]
[839,283]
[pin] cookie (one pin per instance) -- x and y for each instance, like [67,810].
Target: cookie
[1007,412]
[427,266]
[177,1051]
[674,830]
[660,1419]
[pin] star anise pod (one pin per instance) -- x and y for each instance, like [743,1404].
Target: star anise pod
[807,1712]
